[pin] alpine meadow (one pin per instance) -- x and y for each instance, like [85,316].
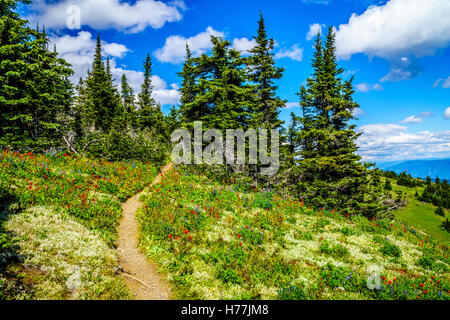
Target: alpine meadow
[285,153]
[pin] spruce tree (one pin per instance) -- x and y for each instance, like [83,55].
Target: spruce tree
[35,90]
[330,173]
[147,104]
[102,102]
[223,97]
[387,185]
[263,72]
[188,89]
[127,97]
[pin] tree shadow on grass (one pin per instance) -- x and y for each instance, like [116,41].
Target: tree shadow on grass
[11,279]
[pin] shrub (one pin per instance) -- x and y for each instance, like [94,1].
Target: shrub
[338,251]
[440,211]
[390,249]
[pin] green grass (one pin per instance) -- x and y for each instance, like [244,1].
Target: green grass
[58,219]
[419,214]
[227,241]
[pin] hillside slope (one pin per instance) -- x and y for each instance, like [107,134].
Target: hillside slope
[226,241]
[58,219]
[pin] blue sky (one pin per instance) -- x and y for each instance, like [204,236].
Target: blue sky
[398,51]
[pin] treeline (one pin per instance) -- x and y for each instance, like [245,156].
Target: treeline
[117,125]
[437,193]
[223,88]
[40,108]
[404,179]
[319,161]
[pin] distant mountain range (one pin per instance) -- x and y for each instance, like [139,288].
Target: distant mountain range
[420,168]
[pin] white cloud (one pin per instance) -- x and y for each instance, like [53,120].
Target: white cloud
[412,119]
[79,51]
[398,28]
[243,44]
[384,142]
[174,49]
[314,29]
[291,105]
[358,112]
[366,87]
[105,14]
[447,113]
[419,118]
[294,53]
[445,83]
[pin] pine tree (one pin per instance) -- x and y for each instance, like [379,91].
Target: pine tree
[127,96]
[35,90]
[330,173]
[102,103]
[147,104]
[223,98]
[387,185]
[263,73]
[440,211]
[188,79]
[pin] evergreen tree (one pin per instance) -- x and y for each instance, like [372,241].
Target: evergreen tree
[35,91]
[188,87]
[223,98]
[127,97]
[330,173]
[102,103]
[387,185]
[263,73]
[446,225]
[440,211]
[147,105]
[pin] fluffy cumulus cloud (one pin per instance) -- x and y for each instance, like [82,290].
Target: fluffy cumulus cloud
[174,49]
[398,31]
[294,53]
[445,83]
[447,113]
[314,29]
[384,142]
[104,14]
[244,45]
[79,52]
[366,87]
[400,27]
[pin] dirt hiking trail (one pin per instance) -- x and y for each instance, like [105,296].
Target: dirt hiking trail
[140,274]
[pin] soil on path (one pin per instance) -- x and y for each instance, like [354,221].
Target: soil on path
[140,274]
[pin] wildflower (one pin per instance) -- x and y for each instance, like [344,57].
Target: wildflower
[170,236]
[186,231]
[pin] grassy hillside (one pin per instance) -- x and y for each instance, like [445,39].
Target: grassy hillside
[228,241]
[420,214]
[58,218]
